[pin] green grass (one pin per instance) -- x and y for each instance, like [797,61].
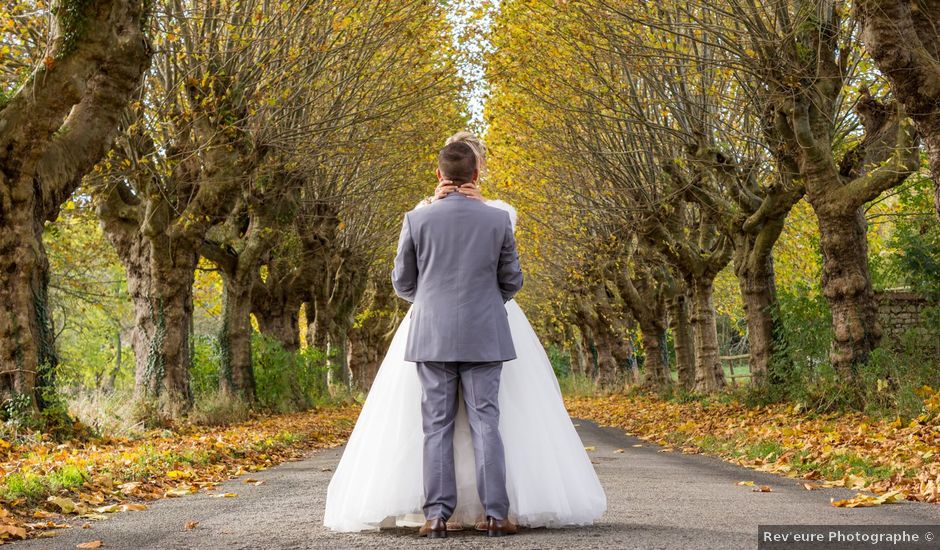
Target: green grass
[34,487]
[766,450]
[851,463]
[577,385]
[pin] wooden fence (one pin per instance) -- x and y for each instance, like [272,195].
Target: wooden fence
[739,361]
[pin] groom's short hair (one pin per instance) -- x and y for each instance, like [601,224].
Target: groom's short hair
[457,162]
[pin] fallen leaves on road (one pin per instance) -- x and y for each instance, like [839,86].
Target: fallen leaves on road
[862,500]
[850,450]
[89,544]
[111,475]
[745,483]
[762,489]
[190,525]
[10,527]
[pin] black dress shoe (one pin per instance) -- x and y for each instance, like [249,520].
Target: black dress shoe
[434,529]
[500,527]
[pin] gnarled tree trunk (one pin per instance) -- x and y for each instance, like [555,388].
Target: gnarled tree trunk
[644,296]
[377,322]
[27,350]
[709,374]
[837,193]
[846,284]
[159,280]
[53,130]
[236,375]
[754,268]
[656,356]
[681,327]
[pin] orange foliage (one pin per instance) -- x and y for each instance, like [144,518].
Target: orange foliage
[120,473]
[895,459]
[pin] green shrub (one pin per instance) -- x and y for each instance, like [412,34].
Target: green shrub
[287,380]
[204,372]
[560,360]
[800,371]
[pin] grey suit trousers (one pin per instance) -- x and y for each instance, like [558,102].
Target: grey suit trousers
[480,384]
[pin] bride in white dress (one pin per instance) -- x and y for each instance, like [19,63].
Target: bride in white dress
[550,479]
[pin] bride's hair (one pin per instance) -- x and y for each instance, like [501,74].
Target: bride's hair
[478,148]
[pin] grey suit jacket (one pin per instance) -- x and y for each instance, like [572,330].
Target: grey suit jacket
[457,263]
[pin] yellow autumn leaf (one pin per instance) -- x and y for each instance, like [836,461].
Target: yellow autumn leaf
[182,490]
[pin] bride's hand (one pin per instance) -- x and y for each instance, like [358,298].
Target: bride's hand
[444,188]
[471,190]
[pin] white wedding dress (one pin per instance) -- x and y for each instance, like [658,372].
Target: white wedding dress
[550,479]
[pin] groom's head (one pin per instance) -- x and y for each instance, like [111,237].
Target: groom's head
[457,162]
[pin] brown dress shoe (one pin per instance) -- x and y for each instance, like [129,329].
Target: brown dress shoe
[434,529]
[454,526]
[500,527]
[480,525]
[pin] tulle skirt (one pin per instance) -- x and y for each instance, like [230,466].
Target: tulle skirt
[549,477]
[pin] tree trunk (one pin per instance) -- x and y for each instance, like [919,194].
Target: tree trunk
[709,375]
[118,359]
[607,367]
[366,350]
[683,340]
[159,281]
[754,268]
[581,361]
[338,353]
[236,376]
[656,361]
[846,284]
[283,326]
[27,351]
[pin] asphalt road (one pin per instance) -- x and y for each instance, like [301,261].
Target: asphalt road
[655,501]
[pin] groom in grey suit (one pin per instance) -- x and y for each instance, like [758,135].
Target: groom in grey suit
[457,263]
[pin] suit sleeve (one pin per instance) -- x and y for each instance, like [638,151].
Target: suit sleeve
[509,272]
[405,272]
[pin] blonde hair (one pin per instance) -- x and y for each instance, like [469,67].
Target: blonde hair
[478,148]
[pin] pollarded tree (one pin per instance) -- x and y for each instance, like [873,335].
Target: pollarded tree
[643,281]
[203,129]
[54,127]
[803,59]
[237,247]
[582,106]
[672,83]
[332,127]
[800,62]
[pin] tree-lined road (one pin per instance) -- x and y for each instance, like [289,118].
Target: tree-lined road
[655,500]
